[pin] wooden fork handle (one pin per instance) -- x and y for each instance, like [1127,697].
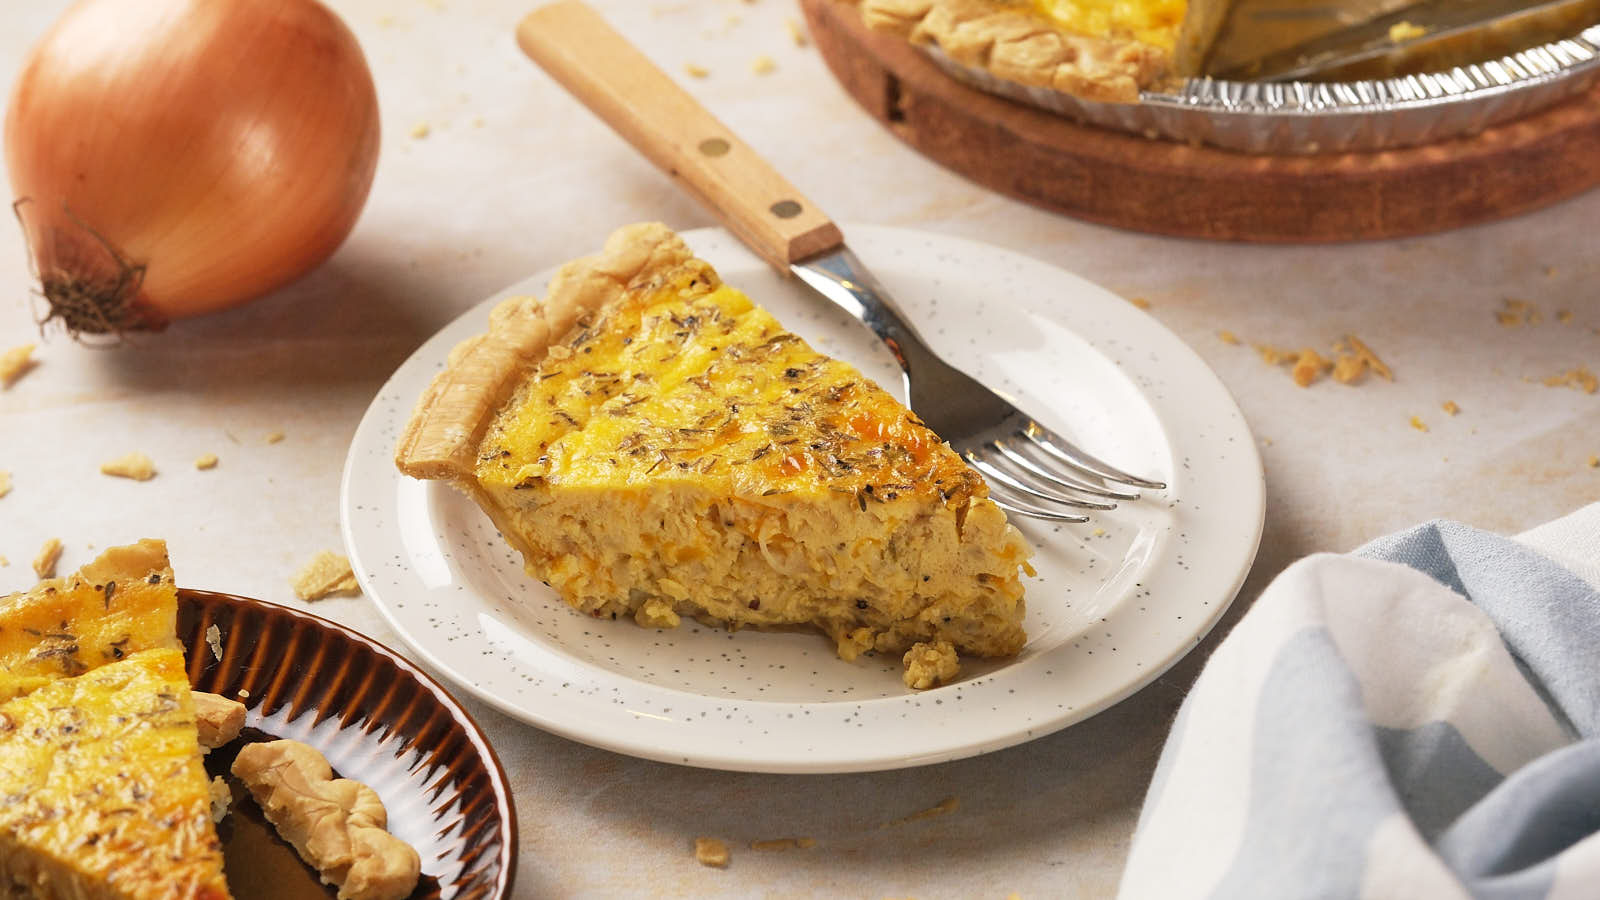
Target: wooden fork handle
[598,65]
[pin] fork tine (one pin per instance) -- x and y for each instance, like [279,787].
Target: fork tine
[1022,509]
[1058,478]
[1064,451]
[994,473]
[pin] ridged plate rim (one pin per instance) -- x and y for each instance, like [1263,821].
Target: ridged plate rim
[296,711]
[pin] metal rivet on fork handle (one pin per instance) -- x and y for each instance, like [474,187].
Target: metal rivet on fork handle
[714,146]
[785,209]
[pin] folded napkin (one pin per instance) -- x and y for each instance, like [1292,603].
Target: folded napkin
[1420,719]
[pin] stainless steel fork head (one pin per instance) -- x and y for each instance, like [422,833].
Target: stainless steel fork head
[1031,470]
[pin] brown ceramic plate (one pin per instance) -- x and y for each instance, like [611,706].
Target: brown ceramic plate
[378,719]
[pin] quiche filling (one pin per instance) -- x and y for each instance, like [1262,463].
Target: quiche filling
[677,453]
[1154,22]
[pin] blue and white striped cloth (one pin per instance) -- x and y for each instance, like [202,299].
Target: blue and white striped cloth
[1420,719]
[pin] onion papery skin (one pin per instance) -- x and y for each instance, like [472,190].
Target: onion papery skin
[175,157]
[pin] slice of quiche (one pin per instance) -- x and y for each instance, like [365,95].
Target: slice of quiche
[106,797]
[123,602]
[656,446]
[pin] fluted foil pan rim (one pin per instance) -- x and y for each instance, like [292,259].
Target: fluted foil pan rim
[1329,117]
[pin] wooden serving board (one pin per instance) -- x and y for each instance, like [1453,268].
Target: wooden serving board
[1195,191]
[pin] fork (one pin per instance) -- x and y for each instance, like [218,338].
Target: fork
[1031,470]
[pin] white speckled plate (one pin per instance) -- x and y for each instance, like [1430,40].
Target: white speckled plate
[1116,601]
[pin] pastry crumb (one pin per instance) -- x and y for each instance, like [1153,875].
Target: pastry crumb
[218,720]
[1564,316]
[1140,302]
[763,65]
[695,71]
[943,807]
[1308,365]
[928,664]
[242,693]
[5,482]
[326,574]
[1351,360]
[1272,356]
[421,130]
[1401,32]
[214,641]
[1418,424]
[221,799]
[1348,369]
[44,564]
[4,563]
[780,844]
[797,33]
[1228,337]
[711,852]
[1514,312]
[206,461]
[134,465]
[1580,379]
[1594,463]
[274,437]
[1450,407]
[1365,354]
[15,363]
[657,613]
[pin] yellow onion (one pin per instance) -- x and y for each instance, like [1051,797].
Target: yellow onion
[174,157]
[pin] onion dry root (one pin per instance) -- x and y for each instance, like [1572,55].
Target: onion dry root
[94,298]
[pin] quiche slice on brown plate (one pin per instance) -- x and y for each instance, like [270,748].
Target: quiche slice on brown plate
[656,446]
[105,795]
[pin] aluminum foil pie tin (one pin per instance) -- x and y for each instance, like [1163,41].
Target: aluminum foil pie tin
[1332,117]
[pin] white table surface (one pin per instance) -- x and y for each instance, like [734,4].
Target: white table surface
[514,176]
